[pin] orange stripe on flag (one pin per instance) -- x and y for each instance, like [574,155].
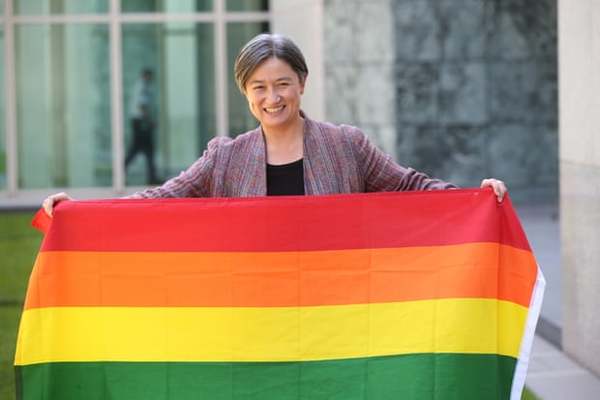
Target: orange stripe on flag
[281,279]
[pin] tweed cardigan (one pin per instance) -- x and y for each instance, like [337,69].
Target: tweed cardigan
[337,159]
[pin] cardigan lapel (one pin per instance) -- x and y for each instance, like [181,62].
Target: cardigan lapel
[253,167]
[319,168]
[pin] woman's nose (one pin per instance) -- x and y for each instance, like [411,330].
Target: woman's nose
[274,97]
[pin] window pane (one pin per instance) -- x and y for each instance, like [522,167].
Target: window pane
[63,105]
[240,118]
[247,5]
[168,6]
[169,97]
[44,7]
[2,108]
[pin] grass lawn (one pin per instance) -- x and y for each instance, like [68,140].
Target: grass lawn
[19,244]
[527,395]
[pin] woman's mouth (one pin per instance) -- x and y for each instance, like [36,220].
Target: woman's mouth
[273,110]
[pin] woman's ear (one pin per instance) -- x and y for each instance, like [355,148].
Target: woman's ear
[302,84]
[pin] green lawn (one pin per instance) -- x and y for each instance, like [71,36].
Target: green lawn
[527,395]
[19,244]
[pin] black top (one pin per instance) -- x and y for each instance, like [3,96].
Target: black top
[285,179]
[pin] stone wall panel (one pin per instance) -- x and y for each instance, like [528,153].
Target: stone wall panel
[417,30]
[463,94]
[469,86]
[524,30]
[417,86]
[523,92]
[464,29]
[490,77]
[375,94]
[374,32]
[525,153]
[341,88]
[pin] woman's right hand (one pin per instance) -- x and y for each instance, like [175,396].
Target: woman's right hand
[52,200]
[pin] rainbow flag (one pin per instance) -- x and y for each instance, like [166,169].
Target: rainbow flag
[423,295]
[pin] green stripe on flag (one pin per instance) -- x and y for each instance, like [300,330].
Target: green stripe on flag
[418,376]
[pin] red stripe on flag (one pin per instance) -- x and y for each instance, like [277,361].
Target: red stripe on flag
[41,221]
[379,220]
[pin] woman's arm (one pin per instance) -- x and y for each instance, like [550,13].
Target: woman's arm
[382,174]
[193,182]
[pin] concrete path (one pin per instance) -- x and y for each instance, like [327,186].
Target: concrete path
[541,224]
[554,376]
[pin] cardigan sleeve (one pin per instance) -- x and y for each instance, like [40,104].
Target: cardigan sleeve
[382,174]
[195,181]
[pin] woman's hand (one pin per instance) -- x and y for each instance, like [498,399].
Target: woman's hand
[52,200]
[498,186]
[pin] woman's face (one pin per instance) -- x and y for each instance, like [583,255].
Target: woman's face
[273,93]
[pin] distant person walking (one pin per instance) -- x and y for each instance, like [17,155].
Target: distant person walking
[143,123]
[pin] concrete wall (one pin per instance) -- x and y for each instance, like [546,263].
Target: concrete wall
[579,49]
[461,89]
[476,91]
[359,58]
[302,21]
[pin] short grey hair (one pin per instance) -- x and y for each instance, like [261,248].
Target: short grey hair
[263,47]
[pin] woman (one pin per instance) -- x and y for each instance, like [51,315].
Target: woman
[288,154]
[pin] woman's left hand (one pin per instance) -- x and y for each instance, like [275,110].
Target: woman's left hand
[498,186]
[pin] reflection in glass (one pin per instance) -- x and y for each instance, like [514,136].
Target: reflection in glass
[166,6]
[238,33]
[247,5]
[45,7]
[2,115]
[63,105]
[180,97]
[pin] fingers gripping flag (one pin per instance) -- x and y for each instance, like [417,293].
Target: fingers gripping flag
[424,295]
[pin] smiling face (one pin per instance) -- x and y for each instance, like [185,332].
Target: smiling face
[273,92]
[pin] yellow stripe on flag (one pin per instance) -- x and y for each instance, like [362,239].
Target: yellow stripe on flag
[269,334]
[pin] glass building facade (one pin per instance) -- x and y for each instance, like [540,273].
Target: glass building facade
[112,94]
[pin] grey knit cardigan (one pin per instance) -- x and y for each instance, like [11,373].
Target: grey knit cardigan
[337,159]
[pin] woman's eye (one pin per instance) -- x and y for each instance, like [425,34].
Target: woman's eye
[258,88]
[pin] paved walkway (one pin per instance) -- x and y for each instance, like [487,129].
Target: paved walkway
[552,374]
[541,224]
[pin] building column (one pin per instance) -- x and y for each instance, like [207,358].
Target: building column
[302,21]
[359,59]
[579,72]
